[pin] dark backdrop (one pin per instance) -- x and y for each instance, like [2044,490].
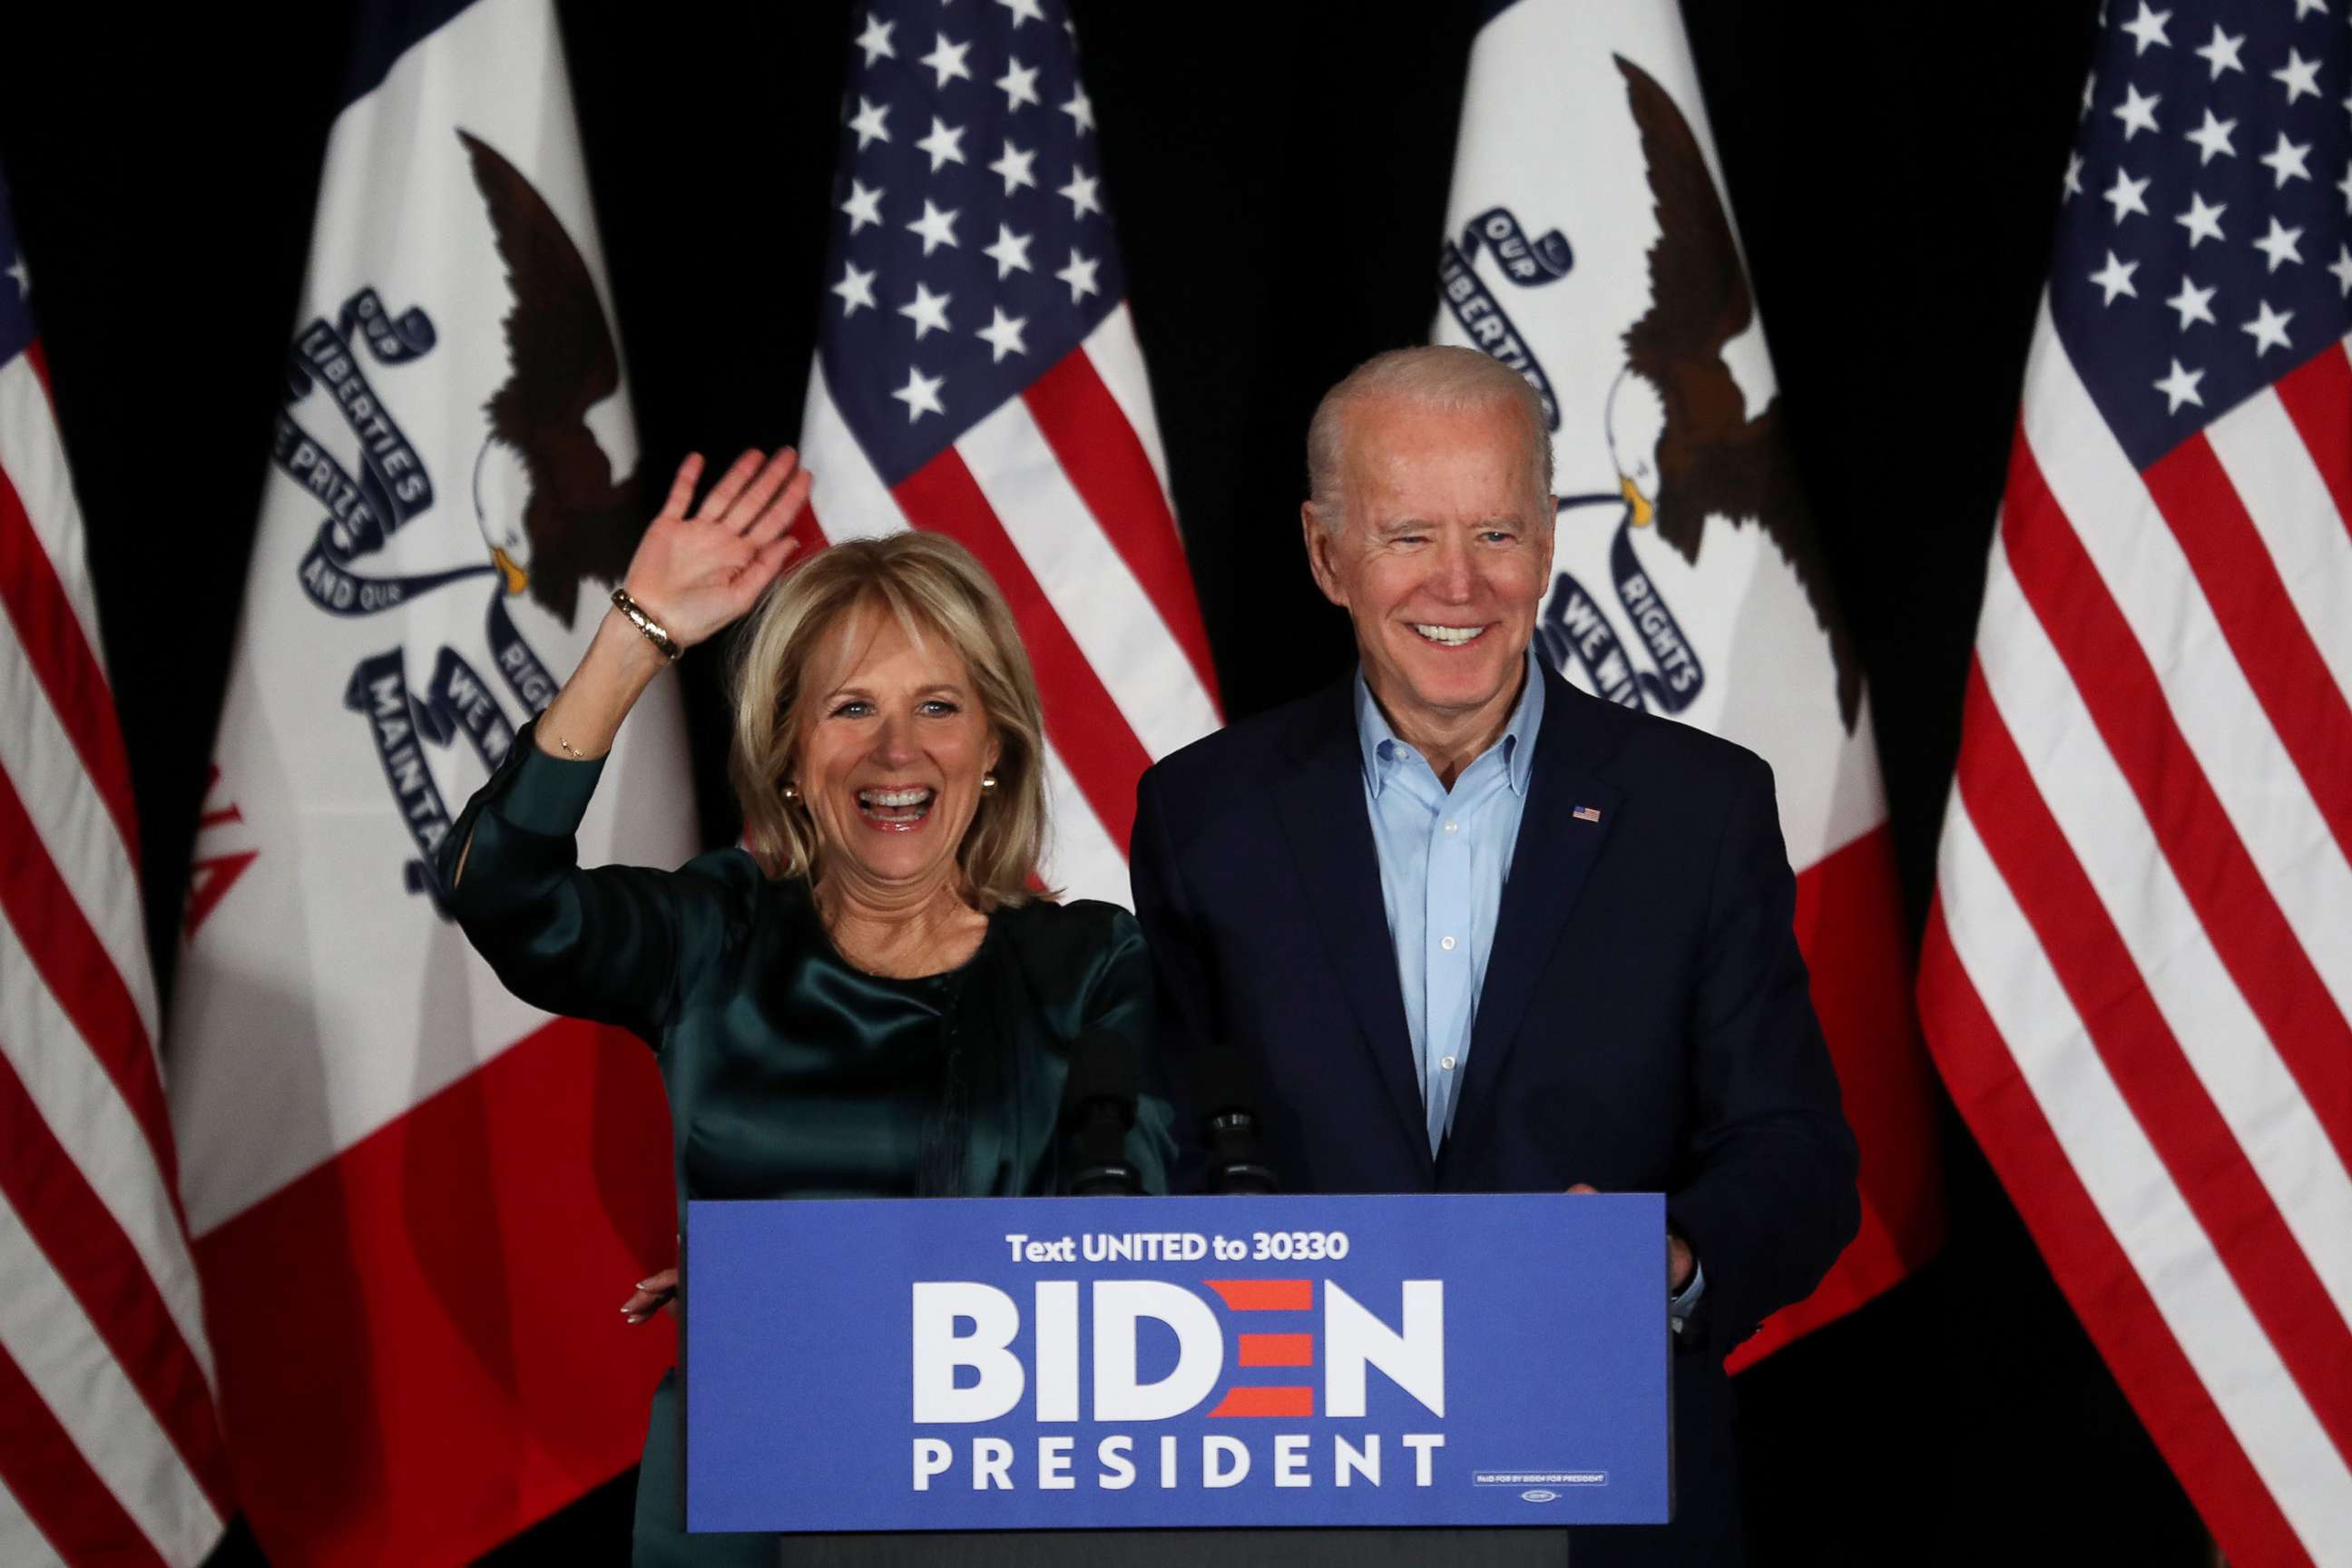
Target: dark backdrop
[1280,177]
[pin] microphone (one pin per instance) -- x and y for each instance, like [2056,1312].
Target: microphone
[1097,1109]
[1236,1154]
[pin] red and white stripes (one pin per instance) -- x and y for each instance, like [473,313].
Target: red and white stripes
[2138,979]
[1062,494]
[110,1448]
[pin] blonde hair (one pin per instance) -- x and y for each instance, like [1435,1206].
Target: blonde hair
[933,586]
[1444,378]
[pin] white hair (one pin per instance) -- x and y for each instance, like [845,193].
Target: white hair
[1439,377]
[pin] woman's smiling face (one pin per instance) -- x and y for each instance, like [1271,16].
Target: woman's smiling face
[893,744]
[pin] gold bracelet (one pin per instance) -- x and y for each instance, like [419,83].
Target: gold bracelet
[570,750]
[655,633]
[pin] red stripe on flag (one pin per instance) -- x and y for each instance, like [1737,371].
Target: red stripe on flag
[2190,1134]
[1264,1295]
[2273,648]
[64,662]
[452,1281]
[1246,1401]
[1106,465]
[2099,1282]
[74,964]
[55,1487]
[1276,1349]
[88,1248]
[1849,923]
[2112,675]
[1093,736]
[2318,396]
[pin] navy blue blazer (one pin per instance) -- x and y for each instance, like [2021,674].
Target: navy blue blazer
[1644,1024]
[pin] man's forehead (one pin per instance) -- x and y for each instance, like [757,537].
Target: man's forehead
[1399,411]
[1473,455]
[1394,434]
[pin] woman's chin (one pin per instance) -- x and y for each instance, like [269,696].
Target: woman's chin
[901,854]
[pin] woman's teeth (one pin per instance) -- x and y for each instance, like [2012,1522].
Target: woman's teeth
[1450,637]
[902,807]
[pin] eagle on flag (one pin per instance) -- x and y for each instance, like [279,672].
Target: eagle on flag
[578,519]
[1679,431]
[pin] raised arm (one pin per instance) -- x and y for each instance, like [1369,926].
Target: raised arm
[691,576]
[604,944]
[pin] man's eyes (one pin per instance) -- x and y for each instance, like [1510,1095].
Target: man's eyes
[1485,536]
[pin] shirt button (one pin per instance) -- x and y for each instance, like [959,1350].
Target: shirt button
[1446,943]
[1453,826]
[1445,1062]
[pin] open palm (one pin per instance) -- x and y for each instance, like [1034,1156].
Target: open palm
[695,573]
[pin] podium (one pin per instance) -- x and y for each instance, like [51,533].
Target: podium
[1487,1362]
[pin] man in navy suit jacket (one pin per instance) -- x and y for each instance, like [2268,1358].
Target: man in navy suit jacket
[1463,928]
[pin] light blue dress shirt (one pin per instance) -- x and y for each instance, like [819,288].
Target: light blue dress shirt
[1444,856]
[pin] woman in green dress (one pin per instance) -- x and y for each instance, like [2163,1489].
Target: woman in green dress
[869,999]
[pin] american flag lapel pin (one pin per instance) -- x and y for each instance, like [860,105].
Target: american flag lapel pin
[1586,813]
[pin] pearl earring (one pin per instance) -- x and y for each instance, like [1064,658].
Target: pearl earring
[792,792]
[988,781]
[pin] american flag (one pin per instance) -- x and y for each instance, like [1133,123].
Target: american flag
[978,373]
[110,1446]
[2138,975]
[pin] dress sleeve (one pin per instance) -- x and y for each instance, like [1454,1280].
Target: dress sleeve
[608,945]
[1120,999]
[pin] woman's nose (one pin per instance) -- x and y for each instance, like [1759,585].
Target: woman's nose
[893,742]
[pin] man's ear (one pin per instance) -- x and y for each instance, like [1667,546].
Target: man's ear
[1319,555]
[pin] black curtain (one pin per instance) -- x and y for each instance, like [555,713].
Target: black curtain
[1278,173]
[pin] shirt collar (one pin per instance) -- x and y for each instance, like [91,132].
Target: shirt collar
[1381,750]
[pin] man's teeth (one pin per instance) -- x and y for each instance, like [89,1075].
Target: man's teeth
[1451,637]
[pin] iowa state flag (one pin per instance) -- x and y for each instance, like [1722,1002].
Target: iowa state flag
[415,1201]
[1590,247]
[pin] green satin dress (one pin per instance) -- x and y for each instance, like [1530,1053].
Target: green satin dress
[790,1072]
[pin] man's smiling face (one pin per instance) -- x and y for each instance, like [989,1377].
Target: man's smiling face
[1440,559]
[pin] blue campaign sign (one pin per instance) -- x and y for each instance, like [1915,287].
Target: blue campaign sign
[1176,1363]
